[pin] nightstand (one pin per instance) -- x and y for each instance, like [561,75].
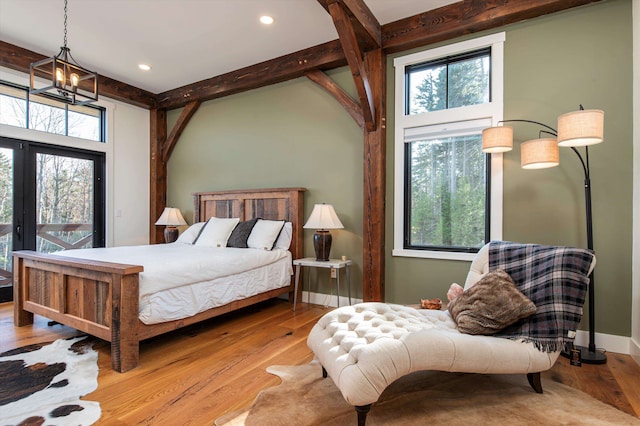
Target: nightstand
[332,265]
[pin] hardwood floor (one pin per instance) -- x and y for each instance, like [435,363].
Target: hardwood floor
[194,375]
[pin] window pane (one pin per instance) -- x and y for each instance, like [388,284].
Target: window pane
[469,82]
[84,126]
[6,215]
[45,116]
[13,106]
[447,192]
[428,89]
[448,83]
[64,203]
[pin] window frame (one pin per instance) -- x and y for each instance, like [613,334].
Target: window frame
[100,112]
[492,110]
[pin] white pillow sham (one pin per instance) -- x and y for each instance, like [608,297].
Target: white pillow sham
[264,234]
[284,239]
[216,232]
[190,234]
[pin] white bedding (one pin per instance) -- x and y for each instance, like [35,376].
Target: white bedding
[181,280]
[186,301]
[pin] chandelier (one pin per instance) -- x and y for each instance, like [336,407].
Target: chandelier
[67,81]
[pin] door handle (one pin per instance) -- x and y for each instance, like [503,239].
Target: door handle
[18,230]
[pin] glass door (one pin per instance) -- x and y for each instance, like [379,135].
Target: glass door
[6,220]
[51,199]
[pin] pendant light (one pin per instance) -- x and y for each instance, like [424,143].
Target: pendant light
[67,81]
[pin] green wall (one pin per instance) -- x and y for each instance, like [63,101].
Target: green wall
[295,134]
[553,64]
[291,134]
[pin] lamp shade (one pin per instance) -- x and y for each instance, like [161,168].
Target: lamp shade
[539,154]
[581,128]
[323,216]
[497,139]
[171,216]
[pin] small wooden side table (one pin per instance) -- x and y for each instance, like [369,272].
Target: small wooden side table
[331,264]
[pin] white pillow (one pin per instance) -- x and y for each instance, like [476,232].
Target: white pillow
[216,232]
[284,239]
[190,234]
[264,234]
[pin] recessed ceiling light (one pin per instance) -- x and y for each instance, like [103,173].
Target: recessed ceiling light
[144,67]
[266,19]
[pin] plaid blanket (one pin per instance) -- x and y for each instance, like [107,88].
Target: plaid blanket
[555,279]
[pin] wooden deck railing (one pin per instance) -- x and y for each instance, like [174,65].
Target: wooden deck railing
[45,231]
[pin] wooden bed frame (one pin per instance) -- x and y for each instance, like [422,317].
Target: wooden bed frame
[101,298]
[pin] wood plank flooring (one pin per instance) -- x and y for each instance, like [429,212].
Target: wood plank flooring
[194,375]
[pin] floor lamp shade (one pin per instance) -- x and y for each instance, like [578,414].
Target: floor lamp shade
[497,139]
[171,217]
[581,128]
[539,154]
[323,217]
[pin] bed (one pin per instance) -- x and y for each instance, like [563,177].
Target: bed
[102,298]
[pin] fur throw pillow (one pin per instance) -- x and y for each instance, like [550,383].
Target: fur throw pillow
[490,305]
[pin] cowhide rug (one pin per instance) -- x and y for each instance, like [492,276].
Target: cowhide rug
[42,384]
[425,398]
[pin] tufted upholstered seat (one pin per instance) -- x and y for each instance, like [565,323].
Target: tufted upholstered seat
[366,347]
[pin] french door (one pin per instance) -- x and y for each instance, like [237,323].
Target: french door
[51,199]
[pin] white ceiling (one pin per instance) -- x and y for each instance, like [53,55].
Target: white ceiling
[183,40]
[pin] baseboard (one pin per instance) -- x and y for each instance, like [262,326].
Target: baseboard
[327,299]
[608,342]
[635,350]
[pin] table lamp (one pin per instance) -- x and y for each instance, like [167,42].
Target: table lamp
[171,217]
[323,217]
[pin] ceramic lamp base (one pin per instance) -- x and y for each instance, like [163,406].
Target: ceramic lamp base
[322,245]
[170,234]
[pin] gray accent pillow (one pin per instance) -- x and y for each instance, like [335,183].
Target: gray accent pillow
[240,234]
[492,304]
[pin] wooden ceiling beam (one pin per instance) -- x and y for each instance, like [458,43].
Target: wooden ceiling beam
[351,106]
[354,55]
[365,24]
[178,128]
[466,17]
[441,24]
[19,59]
[324,56]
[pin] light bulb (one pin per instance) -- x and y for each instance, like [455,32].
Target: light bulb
[75,79]
[60,75]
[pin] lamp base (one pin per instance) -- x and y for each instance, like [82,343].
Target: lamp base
[587,356]
[322,245]
[170,234]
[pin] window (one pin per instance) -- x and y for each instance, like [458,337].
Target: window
[447,192]
[450,82]
[19,108]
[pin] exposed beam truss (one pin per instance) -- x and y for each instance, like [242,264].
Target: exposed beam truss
[457,19]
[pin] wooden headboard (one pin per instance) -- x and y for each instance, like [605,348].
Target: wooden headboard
[271,204]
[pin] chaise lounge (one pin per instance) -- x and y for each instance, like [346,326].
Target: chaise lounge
[366,347]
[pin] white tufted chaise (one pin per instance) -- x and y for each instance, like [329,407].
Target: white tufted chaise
[366,347]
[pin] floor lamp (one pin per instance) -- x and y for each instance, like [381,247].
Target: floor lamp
[575,129]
